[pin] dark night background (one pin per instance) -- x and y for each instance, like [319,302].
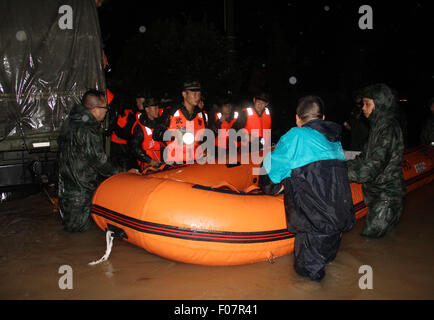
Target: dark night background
[320,43]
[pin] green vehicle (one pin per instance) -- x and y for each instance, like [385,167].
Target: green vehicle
[50,54]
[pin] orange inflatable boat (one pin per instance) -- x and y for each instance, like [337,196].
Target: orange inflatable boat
[212,214]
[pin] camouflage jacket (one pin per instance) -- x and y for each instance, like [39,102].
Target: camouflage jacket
[83,164]
[379,166]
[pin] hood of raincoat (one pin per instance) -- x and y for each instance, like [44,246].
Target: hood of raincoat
[331,130]
[384,101]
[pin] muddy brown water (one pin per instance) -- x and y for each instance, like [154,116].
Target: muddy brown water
[33,246]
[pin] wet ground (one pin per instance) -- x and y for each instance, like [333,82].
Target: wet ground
[33,246]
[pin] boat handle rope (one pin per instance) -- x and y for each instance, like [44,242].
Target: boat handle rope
[109,239]
[251,188]
[153,169]
[271,258]
[227,185]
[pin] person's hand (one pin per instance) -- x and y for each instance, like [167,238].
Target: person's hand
[155,163]
[223,117]
[134,170]
[104,60]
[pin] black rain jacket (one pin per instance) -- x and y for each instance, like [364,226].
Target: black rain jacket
[317,196]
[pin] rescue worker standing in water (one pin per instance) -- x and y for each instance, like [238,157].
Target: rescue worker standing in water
[183,124]
[379,166]
[82,161]
[310,161]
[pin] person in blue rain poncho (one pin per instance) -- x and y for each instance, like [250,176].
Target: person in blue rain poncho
[309,163]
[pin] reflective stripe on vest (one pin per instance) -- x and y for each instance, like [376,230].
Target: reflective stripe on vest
[219,115]
[254,121]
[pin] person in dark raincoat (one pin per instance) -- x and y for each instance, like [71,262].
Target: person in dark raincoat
[82,160]
[379,166]
[310,161]
[357,125]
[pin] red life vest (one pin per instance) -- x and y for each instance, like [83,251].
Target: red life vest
[149,145]
[205,114]
[222,138]
[110,96]
[121,122]
[162,109]
[177,149]
[255,124]
[116,139]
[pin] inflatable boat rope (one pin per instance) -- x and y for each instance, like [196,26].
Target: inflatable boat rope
[109,239]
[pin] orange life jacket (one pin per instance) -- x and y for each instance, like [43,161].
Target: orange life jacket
[149,145]
[255,122]
[110,96]
[176,148]
[116,139]
[205,114]
[222,138]
[162,109]
[121,122]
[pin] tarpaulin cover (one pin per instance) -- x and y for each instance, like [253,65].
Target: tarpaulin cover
[48,61]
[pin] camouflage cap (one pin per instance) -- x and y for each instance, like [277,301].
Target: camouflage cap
[191,86]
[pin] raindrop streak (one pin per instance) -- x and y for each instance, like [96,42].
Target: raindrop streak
[21,35]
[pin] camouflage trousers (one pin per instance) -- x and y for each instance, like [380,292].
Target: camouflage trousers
[75,211]
[383,215]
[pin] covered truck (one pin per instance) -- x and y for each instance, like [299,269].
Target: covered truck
[50,54]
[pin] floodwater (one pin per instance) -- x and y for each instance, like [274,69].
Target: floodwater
[33,246]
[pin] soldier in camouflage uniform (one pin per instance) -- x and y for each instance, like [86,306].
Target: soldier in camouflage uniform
[379,167]
[82,161]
